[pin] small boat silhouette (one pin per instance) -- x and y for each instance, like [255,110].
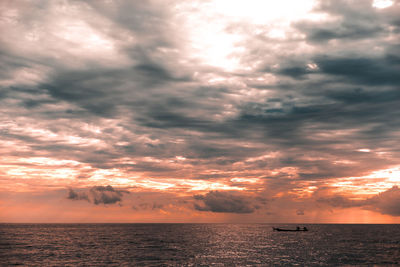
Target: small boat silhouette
[298,229]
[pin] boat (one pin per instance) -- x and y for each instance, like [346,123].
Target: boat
[298,229]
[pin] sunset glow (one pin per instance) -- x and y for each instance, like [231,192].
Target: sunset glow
[200,111]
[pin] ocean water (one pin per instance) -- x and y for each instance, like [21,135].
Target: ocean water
[197,245]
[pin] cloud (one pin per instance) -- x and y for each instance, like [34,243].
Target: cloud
[386,202]
[220,201]
[342,30]
[73,195]
[347,21]
[148,206]
[340,201]
[149,94]
[132,89]
[361,70]
[98,195]
[300,212]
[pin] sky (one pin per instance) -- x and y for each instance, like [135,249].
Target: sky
[200,111]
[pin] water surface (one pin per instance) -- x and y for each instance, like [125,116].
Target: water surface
[197,245]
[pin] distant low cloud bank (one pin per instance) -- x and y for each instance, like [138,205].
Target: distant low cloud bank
[98,195]
[219,201]
[387,202]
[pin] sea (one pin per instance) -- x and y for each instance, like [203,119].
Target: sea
[198,245]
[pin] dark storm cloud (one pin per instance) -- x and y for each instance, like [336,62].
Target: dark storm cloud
[101,89]
[220,201]
[8,63]
[294,72]
[362,70]
[98,195]
[156,74]
[87,89]
[144,17]
[360,96]
[90,89]
[340,31]
[369,116]
[353,20]
[165,118]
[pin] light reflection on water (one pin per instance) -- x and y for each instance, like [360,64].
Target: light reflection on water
[197,245]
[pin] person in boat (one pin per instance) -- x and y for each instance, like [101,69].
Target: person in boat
[305,228]
[297,228]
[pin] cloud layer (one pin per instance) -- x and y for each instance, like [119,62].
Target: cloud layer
[202,98]
[387,202]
